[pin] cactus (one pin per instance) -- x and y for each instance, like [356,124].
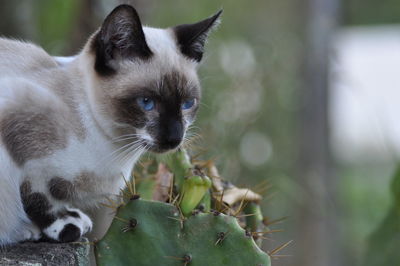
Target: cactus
[180,165]
[196,220]
[254,221]
[153,233]
[193,190]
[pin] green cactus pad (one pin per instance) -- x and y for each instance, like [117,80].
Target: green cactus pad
[153,233]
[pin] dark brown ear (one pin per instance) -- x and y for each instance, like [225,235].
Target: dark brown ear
[192,37]
[120,36]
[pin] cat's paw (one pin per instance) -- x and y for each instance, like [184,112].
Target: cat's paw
[71,225]
[29,233]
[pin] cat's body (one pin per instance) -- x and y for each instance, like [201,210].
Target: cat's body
[70,132]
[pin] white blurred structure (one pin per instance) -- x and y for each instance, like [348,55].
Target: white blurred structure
[365,93]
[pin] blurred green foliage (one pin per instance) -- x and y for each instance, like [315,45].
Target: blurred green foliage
[364,199]
[54,21]
[362,12]
[384,243]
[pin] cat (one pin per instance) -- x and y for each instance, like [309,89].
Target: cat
[71,130]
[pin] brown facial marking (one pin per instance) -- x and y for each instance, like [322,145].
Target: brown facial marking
[169,93]
[176,84]
[36,206]
[29,135]
[127,111]
[60,188]
[169,129]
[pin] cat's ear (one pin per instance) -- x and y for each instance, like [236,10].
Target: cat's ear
[192,37]
[121,36]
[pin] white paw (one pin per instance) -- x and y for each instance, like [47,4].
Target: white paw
[85,222]
[69,227]
[30,233]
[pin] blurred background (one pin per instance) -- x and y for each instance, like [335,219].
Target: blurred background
[300,93]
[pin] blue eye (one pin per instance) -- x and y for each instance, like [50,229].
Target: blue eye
[188,104]
[146,103]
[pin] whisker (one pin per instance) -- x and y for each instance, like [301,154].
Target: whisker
[126,135]
[133,153]
[125,138]
[108,156]
[107,160]
[123,157]
[126,145]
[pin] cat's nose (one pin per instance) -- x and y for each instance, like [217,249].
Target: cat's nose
[174,134]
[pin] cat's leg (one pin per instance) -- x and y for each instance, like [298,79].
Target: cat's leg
[27,231]
[15,226]
[56,220]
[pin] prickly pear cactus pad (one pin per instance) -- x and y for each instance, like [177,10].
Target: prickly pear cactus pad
[186,214]
[155,233]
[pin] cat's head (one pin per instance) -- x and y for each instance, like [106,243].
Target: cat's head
[143,83]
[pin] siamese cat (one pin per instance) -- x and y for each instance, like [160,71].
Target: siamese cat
[70,131]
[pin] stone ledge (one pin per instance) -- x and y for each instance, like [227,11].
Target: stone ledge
[46,254]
